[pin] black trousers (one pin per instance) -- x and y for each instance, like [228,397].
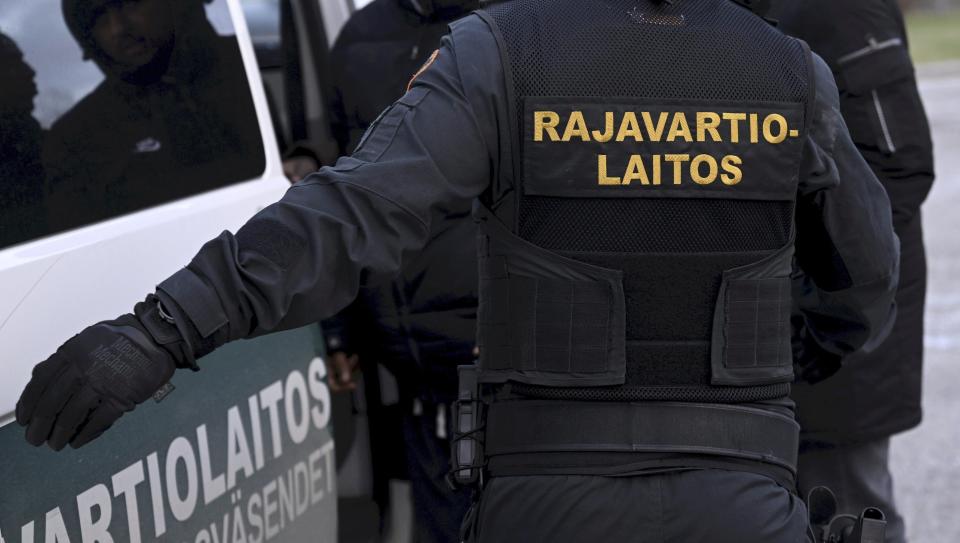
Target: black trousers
[438,510]
[693,506]
[859,475]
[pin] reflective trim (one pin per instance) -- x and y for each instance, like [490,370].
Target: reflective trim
[873,47]
[441,421]
[891,148]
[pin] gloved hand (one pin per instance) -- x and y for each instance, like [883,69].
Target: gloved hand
[98,375]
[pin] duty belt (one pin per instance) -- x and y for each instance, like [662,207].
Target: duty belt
[540,426]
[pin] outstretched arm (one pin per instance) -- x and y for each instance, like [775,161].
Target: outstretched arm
[297,261]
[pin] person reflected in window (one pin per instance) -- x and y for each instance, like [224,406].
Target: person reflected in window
[21,172]
[171,117]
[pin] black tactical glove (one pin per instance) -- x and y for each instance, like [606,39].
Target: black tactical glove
[100,374]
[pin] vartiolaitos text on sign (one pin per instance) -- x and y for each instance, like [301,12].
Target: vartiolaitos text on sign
[252,470]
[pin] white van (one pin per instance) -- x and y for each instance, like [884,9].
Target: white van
[113,171]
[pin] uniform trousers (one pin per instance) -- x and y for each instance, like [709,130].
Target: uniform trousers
[688,506]
[438,509]
[858,474]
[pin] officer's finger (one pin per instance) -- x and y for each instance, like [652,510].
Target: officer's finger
[43,374]
[51,403]
[99,422]
[72,417]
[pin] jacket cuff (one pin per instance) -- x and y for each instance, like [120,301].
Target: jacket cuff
[197,311]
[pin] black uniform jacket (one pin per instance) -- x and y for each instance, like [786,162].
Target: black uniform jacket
[422,323]
[864,41]
[302,258]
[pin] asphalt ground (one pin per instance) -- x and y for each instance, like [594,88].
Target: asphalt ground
[926,460]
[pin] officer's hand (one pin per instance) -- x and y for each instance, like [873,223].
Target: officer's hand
[341,369]
[92,379]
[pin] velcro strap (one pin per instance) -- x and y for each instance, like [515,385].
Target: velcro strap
[757,323]
[545,324]
[543,318]
[199,301]
[515,427]
[751,332]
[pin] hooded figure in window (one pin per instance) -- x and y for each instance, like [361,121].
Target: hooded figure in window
[21,174]
[171,118]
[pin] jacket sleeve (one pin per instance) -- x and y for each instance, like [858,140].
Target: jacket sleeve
[878,91]
[847,252]
[300,259]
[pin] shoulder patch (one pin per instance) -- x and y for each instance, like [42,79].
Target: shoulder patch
[425,67]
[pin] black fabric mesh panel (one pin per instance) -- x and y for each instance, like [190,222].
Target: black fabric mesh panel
[656,225]
[718,51]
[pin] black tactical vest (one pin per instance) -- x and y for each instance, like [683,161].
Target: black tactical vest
[641,247]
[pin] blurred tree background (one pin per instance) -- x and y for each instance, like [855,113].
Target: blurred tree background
[930,4]
[934,29]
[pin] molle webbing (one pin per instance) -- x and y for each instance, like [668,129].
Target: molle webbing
[546,319]
[547,324]
[532,426]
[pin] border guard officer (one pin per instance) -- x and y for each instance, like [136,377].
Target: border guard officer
[646,173]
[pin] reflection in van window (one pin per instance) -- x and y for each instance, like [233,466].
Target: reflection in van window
[143,100]
[21,172]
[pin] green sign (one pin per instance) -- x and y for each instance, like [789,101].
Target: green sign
[239,452]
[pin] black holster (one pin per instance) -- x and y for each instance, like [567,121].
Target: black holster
[829,527]
[467,455]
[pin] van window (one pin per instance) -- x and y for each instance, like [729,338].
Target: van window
[263,21]
[112,106]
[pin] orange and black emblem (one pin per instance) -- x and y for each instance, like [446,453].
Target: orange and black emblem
[425,67]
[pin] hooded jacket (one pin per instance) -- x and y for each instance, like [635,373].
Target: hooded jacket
[182,124]
[21,137]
